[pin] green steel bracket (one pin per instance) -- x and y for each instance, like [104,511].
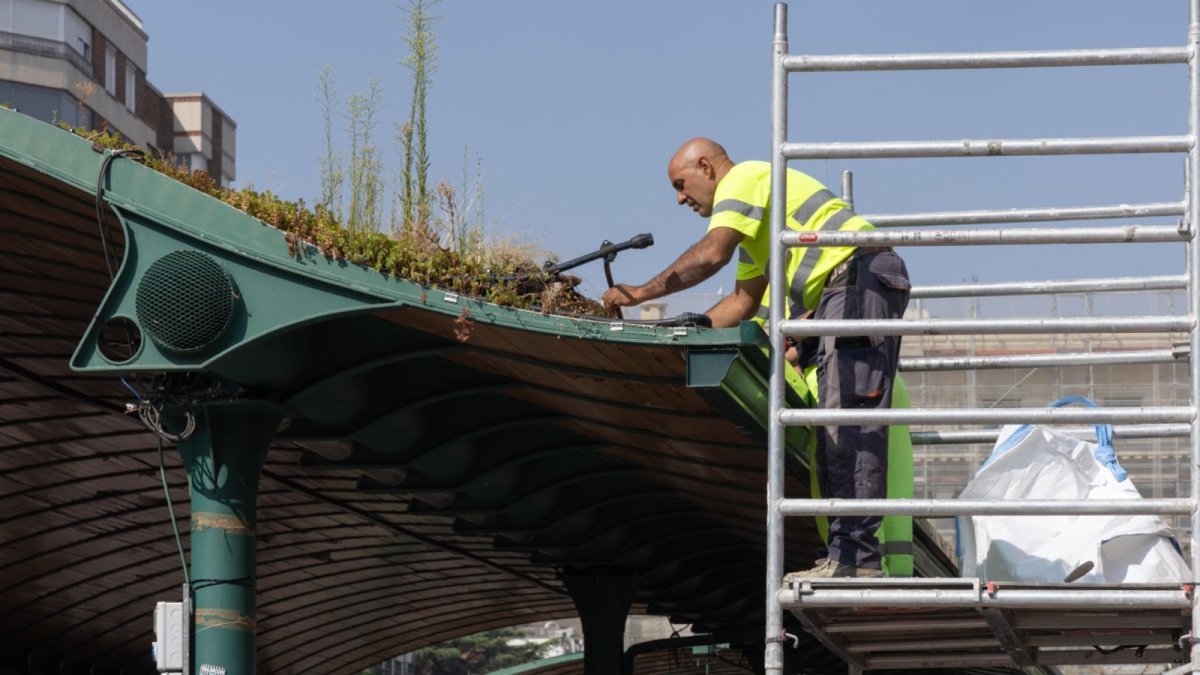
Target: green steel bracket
[709,367]
[275,290]
[733,380]
[192,301]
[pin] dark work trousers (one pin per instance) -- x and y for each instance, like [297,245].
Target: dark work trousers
[857,373]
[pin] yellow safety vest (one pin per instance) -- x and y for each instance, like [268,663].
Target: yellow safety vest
[743,203]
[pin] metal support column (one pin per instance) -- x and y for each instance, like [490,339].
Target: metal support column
[603,602]
[224,459]
[773,657]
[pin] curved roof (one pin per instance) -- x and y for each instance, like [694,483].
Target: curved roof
[441,462]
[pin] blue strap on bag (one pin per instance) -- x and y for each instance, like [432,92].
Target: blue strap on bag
[1104,453]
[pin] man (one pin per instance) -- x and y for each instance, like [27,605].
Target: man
[824,283]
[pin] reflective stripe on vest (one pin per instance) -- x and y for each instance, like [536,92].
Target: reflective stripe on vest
[812,255]
[811,205]
[739,206]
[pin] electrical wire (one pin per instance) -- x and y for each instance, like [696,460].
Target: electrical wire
[107,249]
[105,245]
[1139,650]
[162,472]
[132,390]
[245,582]
[149,410]
[151,416]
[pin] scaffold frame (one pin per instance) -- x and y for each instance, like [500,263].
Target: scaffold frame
[993,609]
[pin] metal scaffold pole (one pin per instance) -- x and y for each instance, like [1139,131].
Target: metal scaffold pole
[1073,627]
[1193,270]
[773,658]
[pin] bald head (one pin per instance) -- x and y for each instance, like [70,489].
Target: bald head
[697,148]
[695,169]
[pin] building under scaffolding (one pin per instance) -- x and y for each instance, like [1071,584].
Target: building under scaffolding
[1157,465]
[1138,374]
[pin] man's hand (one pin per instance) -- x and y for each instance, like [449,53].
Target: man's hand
[698,263]
[621,295]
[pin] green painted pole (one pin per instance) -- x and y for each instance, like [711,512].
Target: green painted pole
[224,459]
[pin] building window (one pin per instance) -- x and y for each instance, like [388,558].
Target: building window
[37,19]
[192,161]
[110,70]
[78,34]
[130,87]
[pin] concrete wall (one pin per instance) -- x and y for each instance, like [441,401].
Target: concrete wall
[129,39]
[201,128]
[55,73]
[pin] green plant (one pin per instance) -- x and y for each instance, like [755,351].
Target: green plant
[480,653]
[366,166]
[331,161]
[422,45]
[502,274]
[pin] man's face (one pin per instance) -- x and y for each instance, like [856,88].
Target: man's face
[693,184]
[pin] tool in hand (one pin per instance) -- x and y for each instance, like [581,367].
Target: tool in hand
[608,251]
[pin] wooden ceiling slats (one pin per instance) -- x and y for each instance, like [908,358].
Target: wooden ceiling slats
[344,576]
[73,205]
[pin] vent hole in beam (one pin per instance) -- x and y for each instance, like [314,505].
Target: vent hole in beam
[120,340]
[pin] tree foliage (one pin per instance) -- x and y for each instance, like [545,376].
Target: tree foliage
[479,654]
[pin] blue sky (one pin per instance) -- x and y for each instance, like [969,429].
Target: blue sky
[573,108]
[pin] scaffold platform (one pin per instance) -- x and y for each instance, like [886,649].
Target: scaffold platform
[902,623]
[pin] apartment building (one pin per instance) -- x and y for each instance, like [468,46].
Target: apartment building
[84,62]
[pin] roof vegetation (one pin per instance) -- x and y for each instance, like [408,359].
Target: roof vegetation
[435,236]
[502,272]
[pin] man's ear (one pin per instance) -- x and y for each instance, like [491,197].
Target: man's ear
[706,166]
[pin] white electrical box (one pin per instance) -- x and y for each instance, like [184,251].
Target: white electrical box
[169,635]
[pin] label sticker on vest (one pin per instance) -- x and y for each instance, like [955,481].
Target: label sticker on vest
[206,669]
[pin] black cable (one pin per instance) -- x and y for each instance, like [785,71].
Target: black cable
[1140,649]
[197,584]
[162,472]
[105,246]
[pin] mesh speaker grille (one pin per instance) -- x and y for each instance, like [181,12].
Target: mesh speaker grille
[185,301]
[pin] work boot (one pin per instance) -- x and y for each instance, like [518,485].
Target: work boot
[828,569]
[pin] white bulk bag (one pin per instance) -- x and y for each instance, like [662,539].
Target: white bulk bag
[1035,462]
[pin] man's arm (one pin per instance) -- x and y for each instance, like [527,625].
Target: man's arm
[741,304]
[704,259]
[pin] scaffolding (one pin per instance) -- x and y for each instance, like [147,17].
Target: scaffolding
[887,622]
[997,371]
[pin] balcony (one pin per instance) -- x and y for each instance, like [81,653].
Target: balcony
[43,47]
